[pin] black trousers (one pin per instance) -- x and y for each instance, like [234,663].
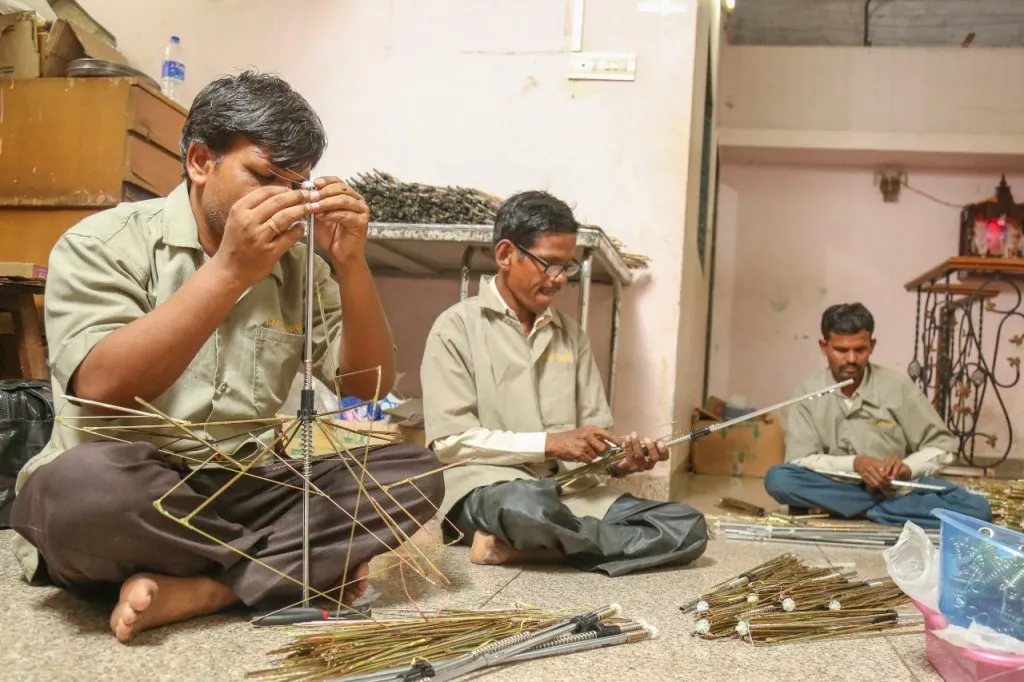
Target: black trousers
[91,515]
[635,534]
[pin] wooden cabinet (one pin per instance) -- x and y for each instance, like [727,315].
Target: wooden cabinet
[72,146]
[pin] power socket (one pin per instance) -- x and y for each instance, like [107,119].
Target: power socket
[605,66]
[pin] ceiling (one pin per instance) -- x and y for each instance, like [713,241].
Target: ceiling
[893,23]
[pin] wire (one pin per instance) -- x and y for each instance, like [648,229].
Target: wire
[929,196]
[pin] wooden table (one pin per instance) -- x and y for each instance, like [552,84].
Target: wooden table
[17,296]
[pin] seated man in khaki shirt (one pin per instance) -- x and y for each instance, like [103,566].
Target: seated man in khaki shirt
[512,394]
[194,303]
[881,427]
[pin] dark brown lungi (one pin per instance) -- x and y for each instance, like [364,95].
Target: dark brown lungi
[90,514]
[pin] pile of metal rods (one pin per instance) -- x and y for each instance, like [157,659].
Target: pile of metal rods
[446,644]
[809,530]
[786,601]
[394,201]
[1006,498]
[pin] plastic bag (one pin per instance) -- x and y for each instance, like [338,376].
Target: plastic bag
[913,564]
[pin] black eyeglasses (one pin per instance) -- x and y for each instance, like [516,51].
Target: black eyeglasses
[553,270]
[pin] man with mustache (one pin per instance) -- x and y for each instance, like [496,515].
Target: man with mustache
[881,427]
[512,397]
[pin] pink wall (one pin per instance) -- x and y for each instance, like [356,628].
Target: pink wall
[794,240]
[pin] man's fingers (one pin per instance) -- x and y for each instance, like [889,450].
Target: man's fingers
[284,220]
[595,444]
[341,205]
[258,196]
[289,237]
[607,435]
[272,206]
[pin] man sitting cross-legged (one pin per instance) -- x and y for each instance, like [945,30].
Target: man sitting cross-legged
[510,382]
[881,427]
[195,304]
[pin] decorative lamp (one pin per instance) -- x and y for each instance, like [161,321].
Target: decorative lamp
[993,228]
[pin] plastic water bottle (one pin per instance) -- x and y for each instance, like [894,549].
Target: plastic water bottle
[173,70]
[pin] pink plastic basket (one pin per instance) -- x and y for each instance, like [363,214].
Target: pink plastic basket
[957,664]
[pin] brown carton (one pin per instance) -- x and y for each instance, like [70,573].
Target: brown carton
[747,449]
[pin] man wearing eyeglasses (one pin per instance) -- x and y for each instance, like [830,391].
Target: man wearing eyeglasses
[512,398]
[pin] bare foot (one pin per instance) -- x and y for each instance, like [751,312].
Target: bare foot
[149,600]
[357,584]
[487,550]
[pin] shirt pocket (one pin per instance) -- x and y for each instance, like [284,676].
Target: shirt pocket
[880,437]
[277,358]
[558,391]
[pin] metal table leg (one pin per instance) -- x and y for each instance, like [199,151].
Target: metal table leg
[614,347]
[467,256]
[585,272]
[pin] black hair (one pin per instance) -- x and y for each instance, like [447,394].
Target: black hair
[846,318]
[264,109]
[525,216]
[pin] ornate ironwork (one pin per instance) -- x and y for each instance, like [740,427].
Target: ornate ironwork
[951,362]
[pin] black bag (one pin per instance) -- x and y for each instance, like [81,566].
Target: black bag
[26,422]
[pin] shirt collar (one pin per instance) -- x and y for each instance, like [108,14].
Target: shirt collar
[181,229]
[491,299]
[867,392]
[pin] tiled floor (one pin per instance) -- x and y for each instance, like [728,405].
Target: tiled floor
[46,634]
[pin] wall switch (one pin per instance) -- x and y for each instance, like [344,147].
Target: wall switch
[606,66]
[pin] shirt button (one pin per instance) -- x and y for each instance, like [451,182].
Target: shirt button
[223,387]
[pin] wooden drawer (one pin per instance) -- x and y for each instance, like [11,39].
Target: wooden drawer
[75,142]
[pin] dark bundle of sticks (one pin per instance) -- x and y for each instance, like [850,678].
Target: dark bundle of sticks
[784,600]
[394,201]
[447,644]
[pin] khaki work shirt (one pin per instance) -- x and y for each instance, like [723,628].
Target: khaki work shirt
[488,387]
[117,265]
[887,415]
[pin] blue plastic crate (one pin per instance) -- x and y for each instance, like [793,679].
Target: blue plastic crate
[981,573]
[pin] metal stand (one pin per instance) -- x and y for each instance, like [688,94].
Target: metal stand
[306,403]
[964,373]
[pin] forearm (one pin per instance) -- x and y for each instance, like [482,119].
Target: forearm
[145,357]
[825,462]
[484,446]
[366,340]
[927,461]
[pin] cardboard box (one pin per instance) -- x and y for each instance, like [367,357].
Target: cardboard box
[22,271]
[19,46]
[745,450]
[67,42]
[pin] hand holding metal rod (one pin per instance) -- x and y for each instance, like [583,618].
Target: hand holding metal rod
[895,483]
[617,454]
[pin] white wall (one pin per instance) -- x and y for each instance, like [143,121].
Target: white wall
[953,104]
[470,93]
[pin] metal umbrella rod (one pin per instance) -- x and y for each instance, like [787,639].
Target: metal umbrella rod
[617,454]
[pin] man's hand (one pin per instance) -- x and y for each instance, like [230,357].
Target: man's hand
[260,228]
[878,474]
[895,469]
[342,220]
[641,455]
[579,445]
